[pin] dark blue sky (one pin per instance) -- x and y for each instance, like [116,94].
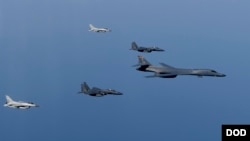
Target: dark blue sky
[46,52]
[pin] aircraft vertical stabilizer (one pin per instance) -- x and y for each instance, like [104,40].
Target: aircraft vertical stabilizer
[8,99]
[134,46]
[85,87]
[91,26]
[143,61]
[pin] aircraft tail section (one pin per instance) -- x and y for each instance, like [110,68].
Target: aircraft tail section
[91,26]
[134,46]
[143,64]
[143,61]
[85,87]
[8,99]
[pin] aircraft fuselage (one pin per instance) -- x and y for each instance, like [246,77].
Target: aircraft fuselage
[180,71]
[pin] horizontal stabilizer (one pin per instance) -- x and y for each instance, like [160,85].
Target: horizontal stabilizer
[136,65]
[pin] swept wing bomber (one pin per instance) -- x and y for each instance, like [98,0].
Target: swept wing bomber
[97,91]
[18,104]
[144,49]
[166,71]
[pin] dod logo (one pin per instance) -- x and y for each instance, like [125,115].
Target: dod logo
[235,132]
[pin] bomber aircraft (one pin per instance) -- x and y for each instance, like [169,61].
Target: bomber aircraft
[144,49]
[166,71]
[95,29]
[18,104]
[97,91]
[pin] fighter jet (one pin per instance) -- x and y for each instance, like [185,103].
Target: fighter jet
[97,91]
[18,104]
[144,49]
[166,71]
[95,29]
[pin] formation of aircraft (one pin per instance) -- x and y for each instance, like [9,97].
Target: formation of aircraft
[18,104]
[167,71]
[97,91]
[144,49]
[163,71]
[95,29]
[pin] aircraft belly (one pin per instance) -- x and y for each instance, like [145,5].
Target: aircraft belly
[97,95]
[23,107]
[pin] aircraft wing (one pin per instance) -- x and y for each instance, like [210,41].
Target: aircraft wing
[94,90]
[167,66]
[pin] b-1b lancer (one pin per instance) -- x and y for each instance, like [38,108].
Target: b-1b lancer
[144,49]
[18,104]
[97,91]
[95,29]
[166,71]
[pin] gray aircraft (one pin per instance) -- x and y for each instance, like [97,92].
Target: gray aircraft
[95,29]
[18,104]
[97,91]
[144,49]
[166,71]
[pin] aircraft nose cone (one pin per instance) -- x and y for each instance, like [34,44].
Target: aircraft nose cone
[118,93]
[222,75]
